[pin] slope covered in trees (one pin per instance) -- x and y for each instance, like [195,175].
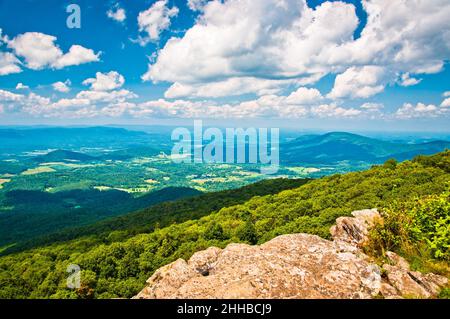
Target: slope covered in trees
[118,267]
[171,206]
[36,213]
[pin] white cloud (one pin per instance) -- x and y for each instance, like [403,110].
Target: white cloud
[254,39]
[287,39]
[77,55]
[155,19]
[62,87]
[372,106]
[6,96]
[105,81]
[21,86]
[304,96]
[106,96]
[117,109]
[67,103]
[197,5]
[85,104]
[39,51]
[446,102]
[446,94]
[9,63]
[267,106]
[229,87]
[334,111]
[407,80]
[420,110]
[359,82]
[118,15]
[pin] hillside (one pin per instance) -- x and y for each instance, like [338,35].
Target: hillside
[63,156]
[172,208]
[118,266]
[340,146]
[33,214]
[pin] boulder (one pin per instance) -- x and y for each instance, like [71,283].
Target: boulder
[295,266]
[355,230]
[288,266]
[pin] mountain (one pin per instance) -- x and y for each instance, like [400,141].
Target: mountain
[334,147]
[63,156]
[13,140]
[132,152]
[119,262]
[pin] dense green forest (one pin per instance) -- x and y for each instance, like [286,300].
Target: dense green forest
[168,211]
[117,265]
[35,213]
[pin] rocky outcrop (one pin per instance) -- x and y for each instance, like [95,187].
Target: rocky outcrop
[294,266]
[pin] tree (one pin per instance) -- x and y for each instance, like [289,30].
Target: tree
[214,232]
[247,233]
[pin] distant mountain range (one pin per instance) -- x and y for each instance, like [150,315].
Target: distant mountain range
[124,144]
[63,156]
[340,146]
[329,148]
[69,156]
[14,140]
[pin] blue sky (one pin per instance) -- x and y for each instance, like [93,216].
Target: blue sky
[347,65]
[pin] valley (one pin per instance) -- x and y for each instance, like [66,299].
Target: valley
[55,178]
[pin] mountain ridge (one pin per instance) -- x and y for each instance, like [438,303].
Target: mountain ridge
[333,147]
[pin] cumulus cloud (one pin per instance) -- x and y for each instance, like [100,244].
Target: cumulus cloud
[334,111]
[105,81]
[197,5]
[446,102]
[106,96]
[77,55]
[407,80]
[420,110]
[372,106]
[6,96]
[118,14]
[9,63]
[253,38]
[155,19]
[358,82]
[21,86]
[231,87]
[271,39]
[62,87]
[39,51]
[304,96]
[267,106]
[102,98]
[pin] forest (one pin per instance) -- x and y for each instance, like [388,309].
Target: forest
[117,263]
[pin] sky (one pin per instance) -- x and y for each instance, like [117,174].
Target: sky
[376,65]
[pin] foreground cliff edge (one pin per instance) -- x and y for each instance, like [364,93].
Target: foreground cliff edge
[295,266]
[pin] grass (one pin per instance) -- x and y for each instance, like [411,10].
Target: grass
[38,170]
